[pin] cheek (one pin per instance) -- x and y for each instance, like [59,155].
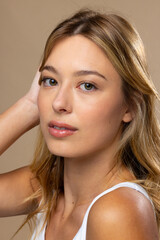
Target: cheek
[105,111]
[103,119]
[99,127]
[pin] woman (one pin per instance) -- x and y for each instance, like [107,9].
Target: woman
[95,173]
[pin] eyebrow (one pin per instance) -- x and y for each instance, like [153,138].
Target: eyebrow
[76,74]
[88,72]
[50,69]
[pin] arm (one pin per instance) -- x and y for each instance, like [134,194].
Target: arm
[121,215]
[17,185]
[19,118]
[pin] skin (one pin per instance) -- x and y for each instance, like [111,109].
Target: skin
[94,142]
[91,160]
[104,108]
[123,214]
[67,101]
[15,186]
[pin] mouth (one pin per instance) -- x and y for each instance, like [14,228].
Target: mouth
[61,126]
[58,129]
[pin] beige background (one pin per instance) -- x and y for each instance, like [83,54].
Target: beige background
[24,27]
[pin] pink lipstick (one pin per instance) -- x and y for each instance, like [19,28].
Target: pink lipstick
[59,130]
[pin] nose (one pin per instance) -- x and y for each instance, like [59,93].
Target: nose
[62,102]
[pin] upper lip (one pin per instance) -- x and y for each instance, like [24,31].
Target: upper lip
[61,125]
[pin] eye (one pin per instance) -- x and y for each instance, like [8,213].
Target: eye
[49,82]
[87,86]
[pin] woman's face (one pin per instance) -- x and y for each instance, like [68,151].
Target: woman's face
[80,88]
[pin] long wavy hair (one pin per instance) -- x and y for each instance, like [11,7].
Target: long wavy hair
[139,147]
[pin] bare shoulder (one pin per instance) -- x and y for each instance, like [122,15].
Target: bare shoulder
[122,214]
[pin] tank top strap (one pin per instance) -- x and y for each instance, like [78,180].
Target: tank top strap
[81,234]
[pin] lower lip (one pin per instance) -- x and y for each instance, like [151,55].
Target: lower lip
[61,133]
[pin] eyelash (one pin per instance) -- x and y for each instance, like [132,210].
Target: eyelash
[45,79]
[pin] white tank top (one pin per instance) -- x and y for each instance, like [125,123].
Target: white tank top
[39,233]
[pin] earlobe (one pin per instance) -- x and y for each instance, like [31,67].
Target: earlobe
[128,116]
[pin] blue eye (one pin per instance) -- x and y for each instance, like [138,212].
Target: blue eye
[49,82]
[87,86]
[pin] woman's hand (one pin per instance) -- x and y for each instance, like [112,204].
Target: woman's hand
[32,94]
[21,117]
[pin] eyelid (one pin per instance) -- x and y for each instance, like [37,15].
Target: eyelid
[89,82]
[45,78]
[42,78]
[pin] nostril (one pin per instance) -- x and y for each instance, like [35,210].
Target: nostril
[63,110]
[62,102]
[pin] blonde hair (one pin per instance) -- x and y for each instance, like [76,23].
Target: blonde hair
[139,147]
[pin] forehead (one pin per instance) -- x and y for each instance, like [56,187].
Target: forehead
[79,47]
[78,52]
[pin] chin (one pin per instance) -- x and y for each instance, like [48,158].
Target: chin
[68,153]
[59,151]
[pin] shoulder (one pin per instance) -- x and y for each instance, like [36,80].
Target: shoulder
[122,214]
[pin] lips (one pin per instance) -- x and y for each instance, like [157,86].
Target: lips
[58,129]
[54,124]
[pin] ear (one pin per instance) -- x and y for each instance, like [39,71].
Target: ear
[128,115]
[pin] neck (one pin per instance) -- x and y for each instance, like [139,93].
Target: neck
[86,178]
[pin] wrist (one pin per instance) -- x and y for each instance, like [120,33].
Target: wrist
[31,112]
